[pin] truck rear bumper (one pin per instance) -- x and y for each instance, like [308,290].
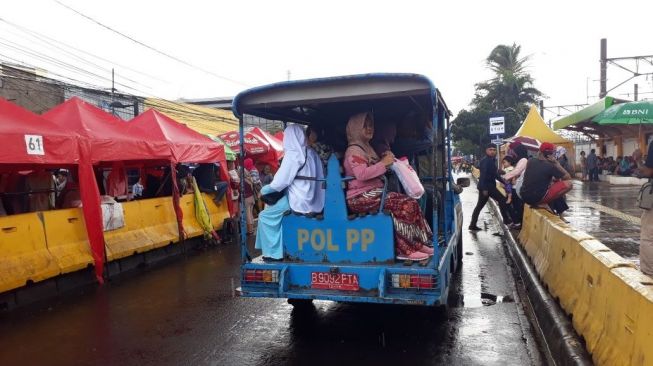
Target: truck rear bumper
[376,284]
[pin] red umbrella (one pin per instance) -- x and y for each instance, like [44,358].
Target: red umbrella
[259,145]
[528,142]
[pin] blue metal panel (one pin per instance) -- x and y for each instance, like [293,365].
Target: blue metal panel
[334,238]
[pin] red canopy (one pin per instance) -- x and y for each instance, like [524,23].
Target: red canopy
[187,145]
[259,145]
[27,138]
[104,138]
[106,133]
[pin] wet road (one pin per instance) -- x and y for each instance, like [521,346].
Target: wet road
[184,313]
[609,213]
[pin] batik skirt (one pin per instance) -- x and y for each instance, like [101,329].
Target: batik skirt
[411,230]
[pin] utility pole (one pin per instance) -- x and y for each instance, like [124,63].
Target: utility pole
[288,74]
[542,108]
[604,68]
[618,62]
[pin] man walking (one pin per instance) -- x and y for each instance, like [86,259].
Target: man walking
[593,166]
[487,187]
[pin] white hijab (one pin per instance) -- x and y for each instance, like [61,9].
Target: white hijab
[303,195]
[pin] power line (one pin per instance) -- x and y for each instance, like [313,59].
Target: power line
[50,41]
[150,47]
[29,52]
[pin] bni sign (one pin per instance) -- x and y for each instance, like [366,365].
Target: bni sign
[497,125]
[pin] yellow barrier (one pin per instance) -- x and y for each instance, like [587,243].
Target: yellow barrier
[37,246]
[611,302]
[218,212]
[67,239]
[159,221]
[24,255]
[131,238]
[191,227]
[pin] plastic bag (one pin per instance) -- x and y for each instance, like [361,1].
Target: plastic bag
[408,178]
[645,196]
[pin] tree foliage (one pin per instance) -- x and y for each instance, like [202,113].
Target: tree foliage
[510,91]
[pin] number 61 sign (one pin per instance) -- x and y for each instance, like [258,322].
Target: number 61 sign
[34,144]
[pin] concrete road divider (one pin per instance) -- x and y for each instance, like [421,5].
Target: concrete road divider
[609,300]
[67,240]
[23,251]
[159,221]
[191,227]
[218,212]
[133,237]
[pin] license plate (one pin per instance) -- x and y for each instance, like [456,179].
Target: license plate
[334,281]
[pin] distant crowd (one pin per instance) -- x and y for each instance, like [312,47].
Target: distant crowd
[592,165]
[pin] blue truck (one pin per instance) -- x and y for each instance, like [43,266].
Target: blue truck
[335,255]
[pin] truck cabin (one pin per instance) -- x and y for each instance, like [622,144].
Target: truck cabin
[409,102]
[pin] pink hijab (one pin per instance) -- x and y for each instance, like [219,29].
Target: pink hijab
[355,136]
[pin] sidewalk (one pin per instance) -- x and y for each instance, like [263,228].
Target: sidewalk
[609,213]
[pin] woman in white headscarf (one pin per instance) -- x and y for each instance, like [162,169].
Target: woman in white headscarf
[303,195]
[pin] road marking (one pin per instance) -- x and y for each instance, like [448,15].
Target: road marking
[613,212]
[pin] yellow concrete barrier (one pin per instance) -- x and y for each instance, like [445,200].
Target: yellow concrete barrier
[24,255]
[65,231]
[159,221]
[131,238]
[191,226]
[610,301]
[218,212]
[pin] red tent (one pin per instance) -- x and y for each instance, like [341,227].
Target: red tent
[107,133]
[187,146]
[104,139]
[28,139]
[259,145]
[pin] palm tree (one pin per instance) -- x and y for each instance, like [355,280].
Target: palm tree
[512,85]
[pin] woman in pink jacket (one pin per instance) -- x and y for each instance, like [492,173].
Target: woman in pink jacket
[412,234]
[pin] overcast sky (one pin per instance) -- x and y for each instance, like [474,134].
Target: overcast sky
[257,42]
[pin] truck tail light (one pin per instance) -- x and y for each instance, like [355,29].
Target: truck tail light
[261,275]
[414,281]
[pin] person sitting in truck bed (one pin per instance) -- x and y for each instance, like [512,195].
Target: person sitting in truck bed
[303,195]
[412,233]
